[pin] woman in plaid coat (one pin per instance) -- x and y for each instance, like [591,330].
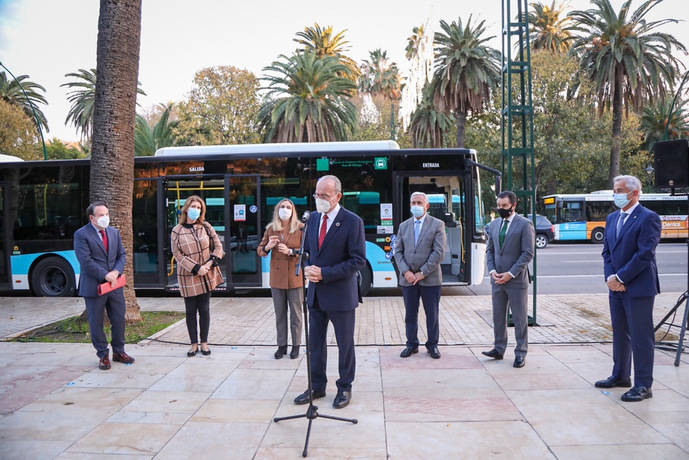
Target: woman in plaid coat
[282,239]
[198,251]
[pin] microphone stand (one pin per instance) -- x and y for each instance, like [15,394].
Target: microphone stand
[311,410]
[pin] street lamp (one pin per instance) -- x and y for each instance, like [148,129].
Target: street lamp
[33,110]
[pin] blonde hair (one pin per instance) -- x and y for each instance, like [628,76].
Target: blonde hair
[187,204]
[276,223]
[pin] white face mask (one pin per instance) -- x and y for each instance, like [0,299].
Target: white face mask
[103,221]
[322,206]
[284,213]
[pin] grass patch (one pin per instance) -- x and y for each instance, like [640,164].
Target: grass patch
[74,330]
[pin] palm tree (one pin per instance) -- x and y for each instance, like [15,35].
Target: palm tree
[81,100]
[656,117]
[414,42]
[467,70]
[628,60]
[380,76]
[307,100]
[114,110]
[428,125]
[550,30]
[321,41]
[148,139]
[11,92]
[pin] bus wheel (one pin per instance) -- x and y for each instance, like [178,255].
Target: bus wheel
[597,235]
[52,277]
[541,240]
[365,281]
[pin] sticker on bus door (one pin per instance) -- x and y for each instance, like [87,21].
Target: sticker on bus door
[240,213]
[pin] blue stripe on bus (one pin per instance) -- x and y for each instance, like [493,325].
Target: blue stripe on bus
[572,231]
[374,253]
[21,264]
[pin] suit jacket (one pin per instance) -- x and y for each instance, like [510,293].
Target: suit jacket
[631,255]
[342,255]
[426,255]
[516,251]
[93,261]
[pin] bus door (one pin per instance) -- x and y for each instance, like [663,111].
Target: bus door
[4,243]
[213,192]
[243,218]
[446,196]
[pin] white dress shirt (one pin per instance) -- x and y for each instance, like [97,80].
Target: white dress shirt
[332,214]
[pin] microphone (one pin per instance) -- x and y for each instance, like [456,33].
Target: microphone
[305,216]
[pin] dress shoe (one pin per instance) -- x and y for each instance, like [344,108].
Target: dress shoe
[342,399]
[104,363]
[434,352]
[280,352]
[612,381]
[519,361]
[205,352]
[304,397]
[294,354]
[192,351]
[407,352]
[122,358]
[492,354]
[637,394]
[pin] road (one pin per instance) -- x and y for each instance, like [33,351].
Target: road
[578,268]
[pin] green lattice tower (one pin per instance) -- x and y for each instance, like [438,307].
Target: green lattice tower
[518,168]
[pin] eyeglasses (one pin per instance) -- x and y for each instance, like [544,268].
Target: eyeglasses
[321,196]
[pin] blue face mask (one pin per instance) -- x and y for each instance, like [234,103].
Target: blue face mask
[621,200]
[193,213]
[417,211]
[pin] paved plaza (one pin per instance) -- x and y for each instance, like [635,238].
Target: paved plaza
[56,403]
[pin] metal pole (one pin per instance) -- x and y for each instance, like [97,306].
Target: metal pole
[33,110]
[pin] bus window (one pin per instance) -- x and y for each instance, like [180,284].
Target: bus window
[145,226]
[597,211]
[366,205]
[572,211]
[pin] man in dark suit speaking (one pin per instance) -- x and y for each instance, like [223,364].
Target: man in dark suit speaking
[629,262]
[101,256]
[336,245]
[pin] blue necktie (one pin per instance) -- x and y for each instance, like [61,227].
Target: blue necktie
[620,222]
[417,230]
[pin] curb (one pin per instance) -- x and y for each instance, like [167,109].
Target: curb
[161,332]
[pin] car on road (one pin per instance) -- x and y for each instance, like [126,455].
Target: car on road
[544,231]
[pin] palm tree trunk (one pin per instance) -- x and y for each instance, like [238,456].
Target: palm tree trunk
[616,146]
[461,118]
[112,159]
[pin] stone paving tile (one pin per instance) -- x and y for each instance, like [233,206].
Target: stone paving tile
[627,451]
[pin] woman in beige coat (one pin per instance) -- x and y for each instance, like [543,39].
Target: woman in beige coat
[198,251]
[282,239]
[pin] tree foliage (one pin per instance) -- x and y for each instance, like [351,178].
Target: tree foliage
[627,58]
[222,108]
[324,42]
[307,100]
[380,76]
[656,119]
[58,150]
[148,139]
[429,126]
[11,92]
[81,99]
[467,70]
[18,134]
[550,29]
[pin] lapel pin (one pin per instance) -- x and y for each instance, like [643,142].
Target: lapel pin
[337,224]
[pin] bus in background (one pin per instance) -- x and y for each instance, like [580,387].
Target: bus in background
[42,204]
[581,217]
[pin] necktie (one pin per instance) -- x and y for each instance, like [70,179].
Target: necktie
[417,230]
[620,223]
[324,230]
[105,239]
[503,230]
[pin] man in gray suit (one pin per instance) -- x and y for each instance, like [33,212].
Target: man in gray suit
[510,249]
[419,248]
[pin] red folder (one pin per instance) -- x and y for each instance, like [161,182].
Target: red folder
[106,287]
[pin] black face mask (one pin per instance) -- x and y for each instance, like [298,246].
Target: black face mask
[504,213]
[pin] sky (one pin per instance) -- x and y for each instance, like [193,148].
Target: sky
[47,39]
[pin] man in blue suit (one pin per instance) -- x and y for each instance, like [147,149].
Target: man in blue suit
[101,256]
[631,237]
[336,245]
